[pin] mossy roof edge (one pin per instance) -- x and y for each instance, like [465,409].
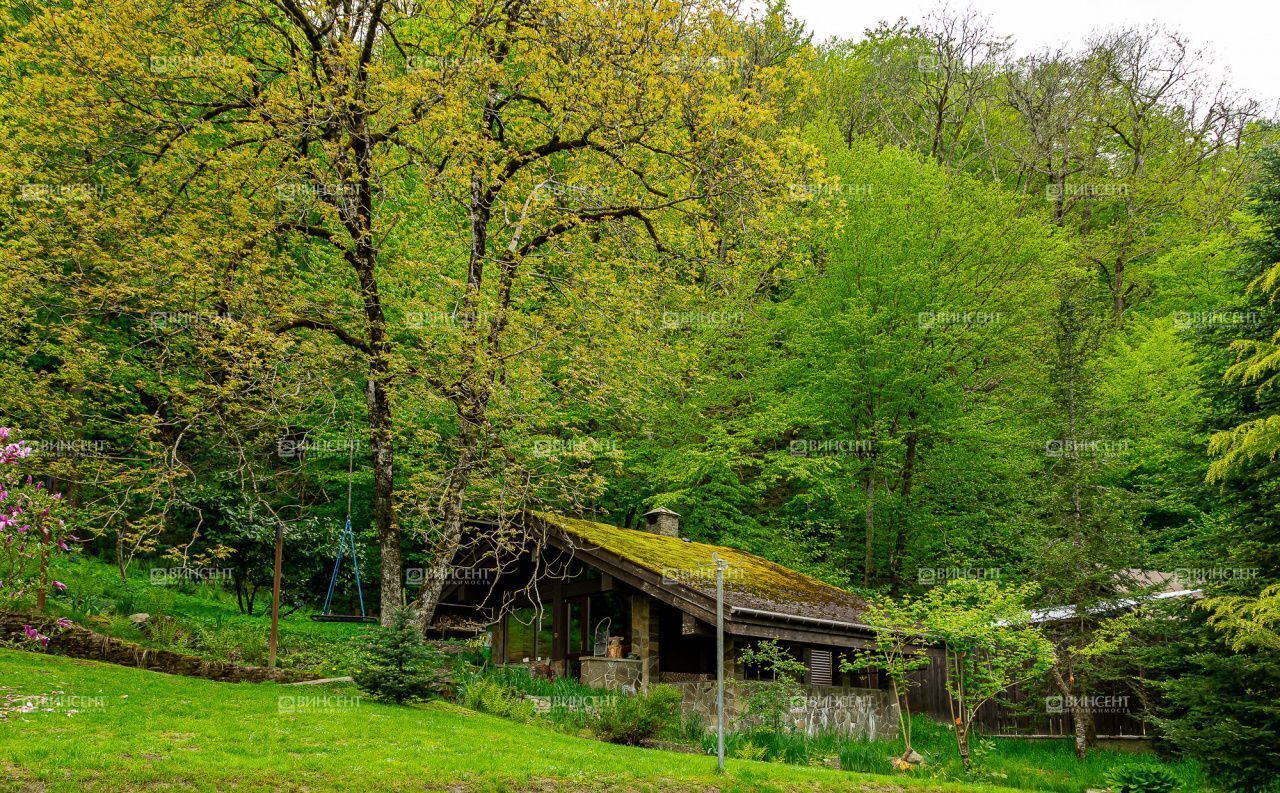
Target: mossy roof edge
[750,580]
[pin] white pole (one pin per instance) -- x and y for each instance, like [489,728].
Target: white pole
[719,660]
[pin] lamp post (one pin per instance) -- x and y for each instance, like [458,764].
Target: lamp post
[720,565]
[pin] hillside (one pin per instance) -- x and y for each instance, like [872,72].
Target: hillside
[137,730]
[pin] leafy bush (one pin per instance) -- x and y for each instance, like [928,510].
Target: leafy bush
[749,750]
[490,696]
[398,666]
[1142,779]
[241,644]
[768,701]
[633,720]
[165,630]
[693,730]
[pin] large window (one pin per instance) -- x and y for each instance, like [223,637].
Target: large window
[528,635]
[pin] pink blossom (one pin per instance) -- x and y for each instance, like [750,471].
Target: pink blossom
[36,636]
[61,587]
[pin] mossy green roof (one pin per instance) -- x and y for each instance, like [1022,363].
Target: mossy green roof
[750,581]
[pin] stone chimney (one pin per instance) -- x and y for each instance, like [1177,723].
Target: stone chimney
[661,520]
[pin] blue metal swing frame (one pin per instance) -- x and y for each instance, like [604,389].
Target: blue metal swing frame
[348,539]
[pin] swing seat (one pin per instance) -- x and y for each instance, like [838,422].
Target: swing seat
[343,618]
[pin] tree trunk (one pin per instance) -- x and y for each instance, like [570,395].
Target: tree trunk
[382,453]
[963,742]
[900,531]
[1082,721]
[471,400]
[451,531]
[43,590]
[377,399]
[869,556]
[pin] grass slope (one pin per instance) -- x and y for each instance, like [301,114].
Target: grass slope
[202,619]
[138,730]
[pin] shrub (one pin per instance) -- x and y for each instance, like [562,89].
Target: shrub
[1142,779]
[490,696]
[693,730]
[241,644]
[768,701]
[636,719]
[749,750]
[397,666]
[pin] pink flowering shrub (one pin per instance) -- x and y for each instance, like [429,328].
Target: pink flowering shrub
[32,530]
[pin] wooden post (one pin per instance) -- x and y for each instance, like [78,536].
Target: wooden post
[720,564]
[275,598]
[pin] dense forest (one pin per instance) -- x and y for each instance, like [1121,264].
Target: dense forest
[888,311]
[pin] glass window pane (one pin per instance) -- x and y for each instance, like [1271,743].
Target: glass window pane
[544,633]
[521,636]
[577,629]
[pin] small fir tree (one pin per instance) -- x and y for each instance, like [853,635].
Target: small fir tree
[398,666]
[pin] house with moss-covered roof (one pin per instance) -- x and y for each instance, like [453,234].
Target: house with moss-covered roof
[628,608]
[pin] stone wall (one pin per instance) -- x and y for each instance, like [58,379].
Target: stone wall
[613,674]
[858,712]
[644,637]
[79,642]
[854,712]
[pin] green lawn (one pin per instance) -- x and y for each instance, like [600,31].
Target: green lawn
[138,730]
